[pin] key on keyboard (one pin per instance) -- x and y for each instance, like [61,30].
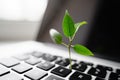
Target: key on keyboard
[49,57]
[9,62]
[80,76]
[63,62]
[114,76]
[38,54]
[33,61]
[104,67]
[79,67]
[11,76]
[35,74]
[118,71]
[22,67]
[86,63]
[61,71]
[52,77]
[45,66]
[22,57]
[3,70]
[99,78]
[97,72]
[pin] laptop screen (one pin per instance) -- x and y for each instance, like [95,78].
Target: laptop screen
[104,36]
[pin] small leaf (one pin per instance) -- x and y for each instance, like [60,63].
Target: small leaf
[56,36]
[78,25]
[68,25]
[80,49]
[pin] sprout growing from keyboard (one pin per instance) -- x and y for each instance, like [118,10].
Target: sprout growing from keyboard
[70,29]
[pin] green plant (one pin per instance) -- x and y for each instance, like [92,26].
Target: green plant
[70,29]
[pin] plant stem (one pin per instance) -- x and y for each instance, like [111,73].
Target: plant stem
[69,47]
[70,58]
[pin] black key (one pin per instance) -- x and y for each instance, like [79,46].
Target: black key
[97,72]
[118,71]
[63,62]
[114,76]
[33,61]
[49,57]
[35,74]
[79,67]
[45,66]
[52,77]
[38,54]
[99,78]
[86,63]
[3,70]
[104,67]
[61,71]
[9,62]
[80,76]
[74,60]
[11,76]
[21,68]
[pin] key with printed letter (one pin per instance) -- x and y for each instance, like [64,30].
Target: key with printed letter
[97,72]
[61,71]
[80,76]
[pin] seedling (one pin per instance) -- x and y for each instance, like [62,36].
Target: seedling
[70,29]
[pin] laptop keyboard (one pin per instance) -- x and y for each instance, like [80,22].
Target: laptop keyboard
[43,66]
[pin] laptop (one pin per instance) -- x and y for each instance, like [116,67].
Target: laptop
[42,60]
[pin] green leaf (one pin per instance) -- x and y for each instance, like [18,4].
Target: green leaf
[68,25]
[56,36]
[80,49]
[78,25]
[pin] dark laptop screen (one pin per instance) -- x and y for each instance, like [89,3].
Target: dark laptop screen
[105,33]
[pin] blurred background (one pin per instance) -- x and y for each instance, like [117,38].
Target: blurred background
[22,20]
